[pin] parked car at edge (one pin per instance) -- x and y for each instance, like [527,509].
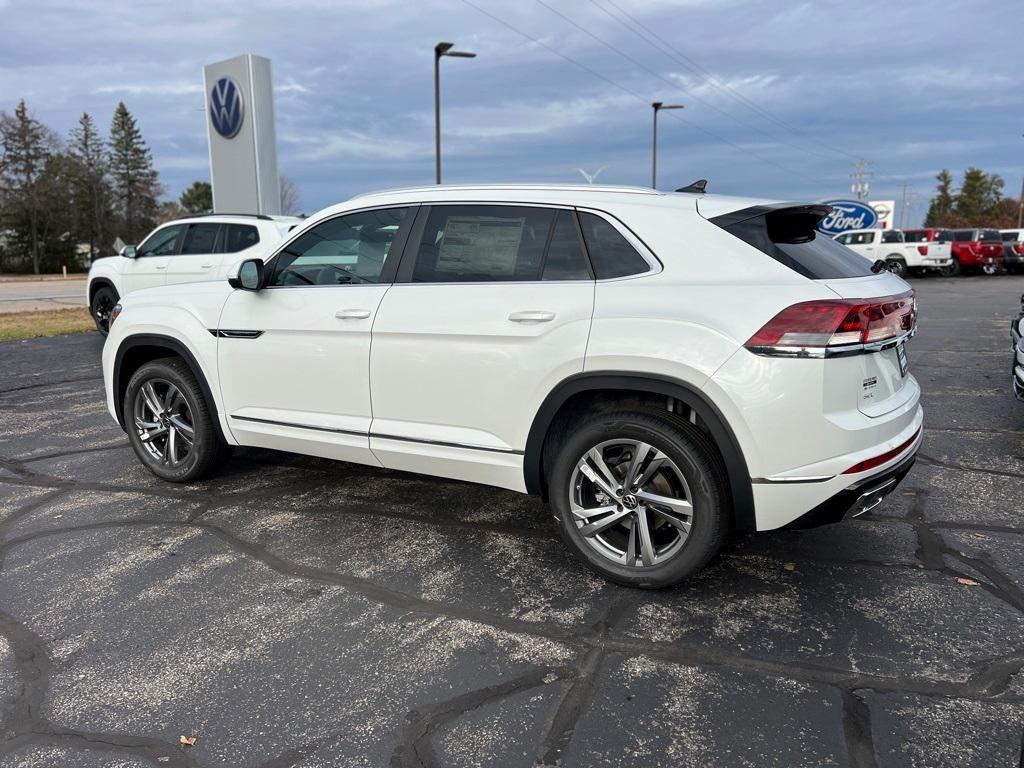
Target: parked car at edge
[661,367]
[890,246]
[186,250]
[1013,249]
[977,250]
[1017,350]
[939,242]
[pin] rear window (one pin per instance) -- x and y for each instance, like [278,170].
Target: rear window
[790,236]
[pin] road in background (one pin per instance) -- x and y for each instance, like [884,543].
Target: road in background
[29,295]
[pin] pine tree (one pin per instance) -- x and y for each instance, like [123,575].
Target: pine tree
[26,146]
[90,187]
[942,204]
[198,198]
[132,175]
[978,196]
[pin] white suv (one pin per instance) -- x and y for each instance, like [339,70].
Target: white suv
[661,367]
[181,251]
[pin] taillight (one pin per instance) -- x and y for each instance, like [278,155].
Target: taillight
[833,324]
[923,250]
[1018,249]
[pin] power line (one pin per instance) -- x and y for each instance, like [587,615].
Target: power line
[674,84]
[681,58]
[635,95]
[860,174]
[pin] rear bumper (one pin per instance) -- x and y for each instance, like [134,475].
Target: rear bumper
[863,496]
[969,259]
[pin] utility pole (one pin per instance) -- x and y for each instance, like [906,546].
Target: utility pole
[1020,209]
[906,203]
[860,175]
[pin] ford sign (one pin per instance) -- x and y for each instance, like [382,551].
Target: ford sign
[848,214]
[226,107]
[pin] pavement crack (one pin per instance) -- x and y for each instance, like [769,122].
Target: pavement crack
[925,459]
[415,748]
[860,744]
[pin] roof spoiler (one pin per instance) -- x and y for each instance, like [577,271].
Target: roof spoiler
[699,187]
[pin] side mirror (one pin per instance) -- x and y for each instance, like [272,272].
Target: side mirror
[128,252]
[250,275]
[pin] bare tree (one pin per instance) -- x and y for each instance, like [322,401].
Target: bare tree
[291,201]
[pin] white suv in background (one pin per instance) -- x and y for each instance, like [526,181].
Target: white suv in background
[201,247]
[661,367]
[899,253]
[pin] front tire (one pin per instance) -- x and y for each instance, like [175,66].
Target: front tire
[641,497]
[168,424]
[101,306]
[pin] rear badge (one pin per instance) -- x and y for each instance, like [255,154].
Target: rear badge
[869,387]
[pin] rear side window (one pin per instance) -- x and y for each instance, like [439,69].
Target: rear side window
[915,236]
[610,252]
[203,238]
[498,243]
[963,235]
[240,237]
[989,234]
[1009,237]
[790,236]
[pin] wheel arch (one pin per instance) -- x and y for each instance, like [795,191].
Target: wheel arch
[101,282]
[139,349]
[732,455]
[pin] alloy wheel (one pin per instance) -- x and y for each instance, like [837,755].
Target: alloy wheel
[630,503]
[163,422]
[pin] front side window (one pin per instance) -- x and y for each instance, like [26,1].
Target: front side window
[203,238]
[862,238]
[610,252]
[163,242]
[340,251]
[240,237]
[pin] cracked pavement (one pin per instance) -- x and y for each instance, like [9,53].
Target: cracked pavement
[298,612]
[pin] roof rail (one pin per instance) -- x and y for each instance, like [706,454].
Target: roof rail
[262,216]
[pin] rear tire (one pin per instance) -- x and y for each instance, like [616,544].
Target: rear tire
[168,424]
[669,509]
[100,307]
[952,270]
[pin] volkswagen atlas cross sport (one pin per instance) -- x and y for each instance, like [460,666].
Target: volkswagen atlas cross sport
[662,367]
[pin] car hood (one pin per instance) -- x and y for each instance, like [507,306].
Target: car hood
[181,293]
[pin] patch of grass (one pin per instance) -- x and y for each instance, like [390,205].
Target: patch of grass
[46,322]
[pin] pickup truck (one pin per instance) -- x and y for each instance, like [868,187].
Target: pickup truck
[900,256]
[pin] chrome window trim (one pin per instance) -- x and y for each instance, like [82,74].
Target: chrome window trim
[823,353]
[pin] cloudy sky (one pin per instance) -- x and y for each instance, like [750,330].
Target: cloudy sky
[780,97]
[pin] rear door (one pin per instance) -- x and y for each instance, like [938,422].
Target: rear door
[149,267]
[200,254]
[491,309]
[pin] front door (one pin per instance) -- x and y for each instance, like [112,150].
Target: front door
[294,357]
[494,311]
[149,267]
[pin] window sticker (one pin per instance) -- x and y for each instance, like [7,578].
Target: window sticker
[480,244]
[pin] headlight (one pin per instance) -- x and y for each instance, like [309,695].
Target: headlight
[114,313]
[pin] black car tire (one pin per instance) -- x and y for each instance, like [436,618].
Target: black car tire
[206,453]
[897,266]
[102,303]
[690,451]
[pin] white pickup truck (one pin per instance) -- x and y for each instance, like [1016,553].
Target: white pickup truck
[900,256]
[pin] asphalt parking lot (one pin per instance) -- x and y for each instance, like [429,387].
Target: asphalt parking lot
[297,612]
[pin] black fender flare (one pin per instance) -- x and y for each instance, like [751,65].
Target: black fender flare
[100,282]
[735,464]
[171,345]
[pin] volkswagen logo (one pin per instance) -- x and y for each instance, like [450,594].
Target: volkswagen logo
[226,107]
[629,501]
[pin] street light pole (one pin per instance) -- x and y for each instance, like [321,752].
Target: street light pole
[657,106]
[441,49]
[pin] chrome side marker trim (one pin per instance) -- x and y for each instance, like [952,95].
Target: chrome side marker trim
[229,333]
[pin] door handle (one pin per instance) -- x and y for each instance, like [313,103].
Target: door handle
[352,314]
[160,266]
[532,316]
[205,266]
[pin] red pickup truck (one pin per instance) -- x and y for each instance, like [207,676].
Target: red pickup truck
[978,249]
